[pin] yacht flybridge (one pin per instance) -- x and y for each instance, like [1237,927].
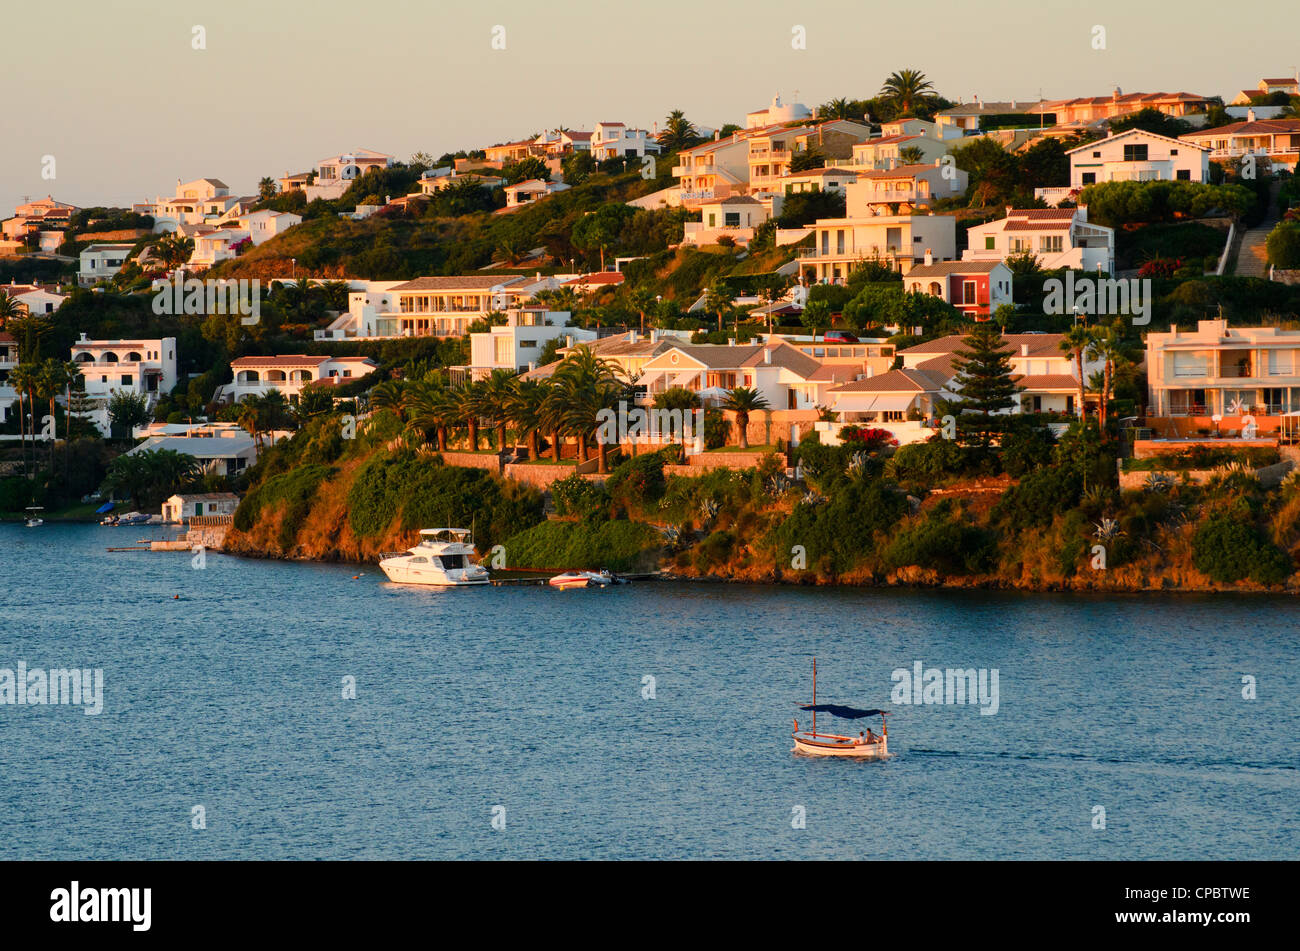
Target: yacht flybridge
[443,558]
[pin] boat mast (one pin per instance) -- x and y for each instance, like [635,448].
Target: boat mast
[814,733]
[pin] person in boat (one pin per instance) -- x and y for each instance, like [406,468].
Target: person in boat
[871,737]
[862,740]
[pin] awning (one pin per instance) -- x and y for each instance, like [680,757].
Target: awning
[106,507]
[844,713]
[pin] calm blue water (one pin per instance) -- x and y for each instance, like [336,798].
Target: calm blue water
[527,698]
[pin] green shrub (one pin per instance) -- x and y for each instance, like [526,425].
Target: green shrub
[619,545]
[639,481]
[294,489]
[1229,548]
[574,495]
[426,493]
[941,542]
[1040,496]
[838,533]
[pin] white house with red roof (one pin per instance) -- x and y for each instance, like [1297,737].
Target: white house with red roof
[203,200]
[1276,139]
[290,373]
[886,152]
[713,170]
[34,298]
[594,282]
[142,367]
[1137,155]
[976,288]
[899,241]
[735,217]
[1058,237]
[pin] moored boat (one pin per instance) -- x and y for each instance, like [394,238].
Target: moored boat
[33,520]
[866,745]
[585,579]
[442,558]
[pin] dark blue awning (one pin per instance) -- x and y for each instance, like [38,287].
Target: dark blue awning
[106,507]
[844,713]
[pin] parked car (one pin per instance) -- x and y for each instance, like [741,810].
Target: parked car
[840,336]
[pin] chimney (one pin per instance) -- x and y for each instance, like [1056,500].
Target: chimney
[1013,105]
[929,258]
[1250,115]
[731,341]
[1024,349]
[717,134]
[767,355]
[632,336]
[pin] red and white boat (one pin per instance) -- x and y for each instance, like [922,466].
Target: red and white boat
[585,579]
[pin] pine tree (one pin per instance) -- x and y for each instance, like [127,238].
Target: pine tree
[983,384]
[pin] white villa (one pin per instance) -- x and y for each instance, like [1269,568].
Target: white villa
[1276,139]
[1138,156]
[527,192]
[256,227]
[334,175]
[33,298]
[614,140]
[1239,374]
[145,367]
[735,217]
[900,241]
[517,344]
[289,373]
[1059,237]
[429,306]
[204,200]
[8,360]
[99,262]
[903,189]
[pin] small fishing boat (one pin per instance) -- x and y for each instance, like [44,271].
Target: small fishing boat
[33,519]
[442,558]
[864,746]
[585,579]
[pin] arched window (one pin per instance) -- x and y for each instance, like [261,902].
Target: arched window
[936,289]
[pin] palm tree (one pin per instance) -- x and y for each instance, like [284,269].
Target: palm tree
[249,418]
[524,406]
[1075,343]
[496,391]
[23,379]
[389,396]
[551,416]
[678,132]
[266,189]
[717,299]
[53,377]
[641,300]
[469,406]
[835,109]
[905,89]
[743,400]
[1106,344]
[8,309]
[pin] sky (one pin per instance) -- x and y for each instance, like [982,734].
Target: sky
[122,101]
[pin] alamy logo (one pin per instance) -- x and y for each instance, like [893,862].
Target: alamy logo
[82,687]
[103,904]
[952,685]
[195,297]
[615,426]
[1099,296]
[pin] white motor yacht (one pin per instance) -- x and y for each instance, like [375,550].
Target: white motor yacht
[442,558]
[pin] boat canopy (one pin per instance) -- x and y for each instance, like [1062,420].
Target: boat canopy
[106,507]
[453,533]
[844,713]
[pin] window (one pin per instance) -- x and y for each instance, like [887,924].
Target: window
[1051,243]
[1173,151]
[1135,153]
[990,243]
[968,292]
[1096,155]
[1089,178]
[732,219]
[1184,175]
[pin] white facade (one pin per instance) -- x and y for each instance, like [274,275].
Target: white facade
[427,306]
[99,262]
[335,174]
[900,241]
[735,217]
[615,140]
[204,200]
[525,193]
[144,367]
[289,374]
[222,451]
[517,345]
[1138,156]
[181,508]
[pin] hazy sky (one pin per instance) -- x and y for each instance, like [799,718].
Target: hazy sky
[118,96]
